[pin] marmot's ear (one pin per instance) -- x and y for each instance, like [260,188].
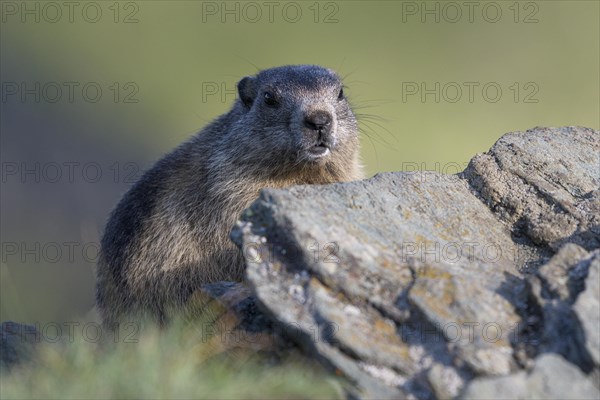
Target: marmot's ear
[247,90]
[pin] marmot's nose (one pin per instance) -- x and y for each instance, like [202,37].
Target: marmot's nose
[318,121]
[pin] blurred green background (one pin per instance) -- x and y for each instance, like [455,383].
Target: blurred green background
[166,68]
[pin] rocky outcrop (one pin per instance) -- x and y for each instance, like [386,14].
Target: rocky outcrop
[544,184]
[432,286]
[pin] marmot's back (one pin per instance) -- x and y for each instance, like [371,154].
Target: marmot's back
[170,233]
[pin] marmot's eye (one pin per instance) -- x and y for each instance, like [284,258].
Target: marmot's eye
[270,99]
[341,95]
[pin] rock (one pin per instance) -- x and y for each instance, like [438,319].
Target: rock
[444,381]
[412,284]
[555,287]
[544,183]
[563,274]
[551,378]
[17,344]
[587,310]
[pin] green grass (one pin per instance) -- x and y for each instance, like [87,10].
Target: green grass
[167,364]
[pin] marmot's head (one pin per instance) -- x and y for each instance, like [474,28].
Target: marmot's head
[297,117]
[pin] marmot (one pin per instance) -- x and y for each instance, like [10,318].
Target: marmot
[170,232]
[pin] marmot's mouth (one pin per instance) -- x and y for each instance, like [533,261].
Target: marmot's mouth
[319,150]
